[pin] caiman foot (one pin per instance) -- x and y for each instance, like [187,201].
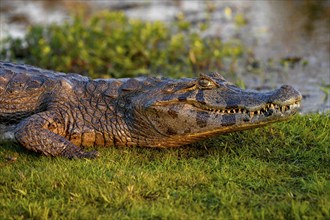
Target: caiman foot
[32,134]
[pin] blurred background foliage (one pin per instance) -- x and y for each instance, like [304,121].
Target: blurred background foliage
[109,44]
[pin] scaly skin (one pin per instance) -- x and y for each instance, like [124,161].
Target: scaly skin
[58,114]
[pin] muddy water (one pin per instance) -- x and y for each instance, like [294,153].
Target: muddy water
[289,40]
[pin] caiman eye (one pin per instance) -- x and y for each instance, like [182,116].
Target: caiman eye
[205,83]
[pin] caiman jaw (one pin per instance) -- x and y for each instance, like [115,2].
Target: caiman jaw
[266,110]
[194,112]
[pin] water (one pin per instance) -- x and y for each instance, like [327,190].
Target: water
[275,31]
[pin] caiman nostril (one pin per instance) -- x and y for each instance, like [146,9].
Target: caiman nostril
[284,93]
[287,87]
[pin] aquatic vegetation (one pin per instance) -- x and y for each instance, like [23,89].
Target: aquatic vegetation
[325,88]
[109,44]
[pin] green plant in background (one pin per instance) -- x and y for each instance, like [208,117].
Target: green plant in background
[109,44]
[325,88]
[240,20]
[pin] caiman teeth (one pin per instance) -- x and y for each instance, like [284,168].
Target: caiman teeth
[263,110]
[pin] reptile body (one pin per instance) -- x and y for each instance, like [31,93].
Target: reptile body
[59,114]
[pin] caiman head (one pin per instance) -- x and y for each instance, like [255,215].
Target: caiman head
[178,112]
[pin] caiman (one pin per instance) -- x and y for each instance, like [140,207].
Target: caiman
[59,114]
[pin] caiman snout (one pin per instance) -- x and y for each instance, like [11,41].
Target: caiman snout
[284,95]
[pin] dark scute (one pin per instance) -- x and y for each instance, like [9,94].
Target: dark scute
[233,103]
[183,97]
[172,113]
[112,90]
[216,76]
[171,131]
[228,120]
[91,86]
[35,84]
[131,84]
[200,97]
[202,118]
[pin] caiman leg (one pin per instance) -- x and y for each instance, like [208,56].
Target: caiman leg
[37,133]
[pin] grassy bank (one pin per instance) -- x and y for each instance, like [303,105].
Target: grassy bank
[280,171]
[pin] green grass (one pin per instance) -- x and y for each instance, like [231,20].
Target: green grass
[278,172]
